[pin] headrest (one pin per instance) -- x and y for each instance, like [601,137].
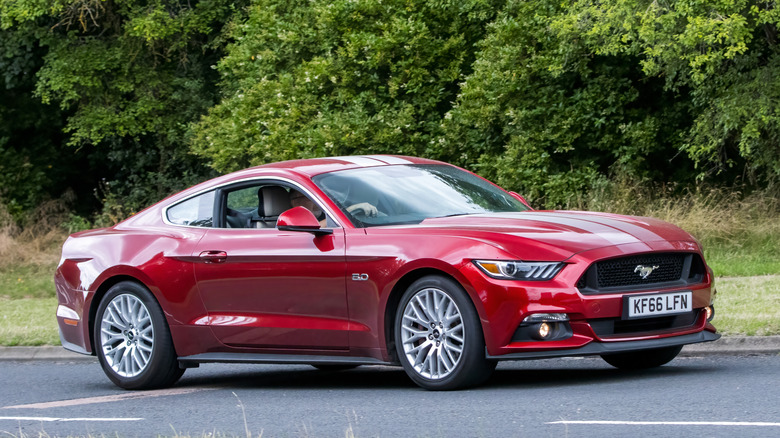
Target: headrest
[273,201]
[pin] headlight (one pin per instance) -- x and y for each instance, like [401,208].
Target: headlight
[519,270]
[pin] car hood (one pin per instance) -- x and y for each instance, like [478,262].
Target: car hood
[563,232]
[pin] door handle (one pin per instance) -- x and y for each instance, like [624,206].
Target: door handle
[213,256]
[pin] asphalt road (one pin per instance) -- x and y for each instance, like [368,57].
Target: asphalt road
[719,396]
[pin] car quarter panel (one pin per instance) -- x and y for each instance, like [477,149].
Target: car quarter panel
[159,258]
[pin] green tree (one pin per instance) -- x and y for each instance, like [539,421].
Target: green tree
[545,114]
[308,78]
[131,76]
[721,56]
[549,98]
[33,165]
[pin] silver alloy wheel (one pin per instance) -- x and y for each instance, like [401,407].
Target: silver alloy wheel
[432,333]
[127,335]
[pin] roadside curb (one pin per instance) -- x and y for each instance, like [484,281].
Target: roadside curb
[725,346]
[734,346]
[46,352]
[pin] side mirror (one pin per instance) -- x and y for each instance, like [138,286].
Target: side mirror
[300,219]
[520,198]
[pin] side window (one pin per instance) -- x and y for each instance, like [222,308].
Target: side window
[195,212]
[243,200]
[242,207]
[259,205]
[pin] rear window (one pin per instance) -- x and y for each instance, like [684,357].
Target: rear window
[194,212]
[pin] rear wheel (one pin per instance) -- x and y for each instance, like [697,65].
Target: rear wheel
[132,339]
[438,336]
[638,360]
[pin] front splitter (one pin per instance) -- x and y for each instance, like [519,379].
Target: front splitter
[604,348]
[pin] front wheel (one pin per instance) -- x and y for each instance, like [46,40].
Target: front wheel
[637,360]
[438,336]
[132,339]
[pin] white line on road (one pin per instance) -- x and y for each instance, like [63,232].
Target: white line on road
[51,419]
[672,423]
[109,398]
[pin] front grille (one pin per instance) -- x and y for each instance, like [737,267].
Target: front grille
[625,273]
[607,327]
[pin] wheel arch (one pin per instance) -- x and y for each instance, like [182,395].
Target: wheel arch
[394,299]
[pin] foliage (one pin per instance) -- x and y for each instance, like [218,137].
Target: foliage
[130,76]
[308,79]
[544,115]
[545,97]
[721,56]
[32,162]
[553,99]
[565,95]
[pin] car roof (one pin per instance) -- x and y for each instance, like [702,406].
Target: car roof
[316,166]
[306,168]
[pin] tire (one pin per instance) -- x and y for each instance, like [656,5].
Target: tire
[638,360]
[438,336]
[132,339]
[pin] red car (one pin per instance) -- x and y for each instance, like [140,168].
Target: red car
[340,262]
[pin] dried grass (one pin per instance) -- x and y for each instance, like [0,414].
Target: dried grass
[722,214]
[37,240]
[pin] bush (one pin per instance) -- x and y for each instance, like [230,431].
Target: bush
[307,79]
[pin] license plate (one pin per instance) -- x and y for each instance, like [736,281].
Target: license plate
[650,305]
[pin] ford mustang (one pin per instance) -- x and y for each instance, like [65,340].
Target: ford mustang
[388,260]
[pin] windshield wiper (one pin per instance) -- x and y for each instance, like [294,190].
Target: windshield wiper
[455,214]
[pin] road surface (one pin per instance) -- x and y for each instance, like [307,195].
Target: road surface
[719,396]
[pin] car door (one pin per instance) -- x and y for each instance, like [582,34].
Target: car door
[271,289]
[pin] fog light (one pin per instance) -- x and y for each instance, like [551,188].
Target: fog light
[544,330]
[709,312]
[543,327]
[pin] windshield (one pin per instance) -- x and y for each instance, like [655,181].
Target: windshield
[409,194]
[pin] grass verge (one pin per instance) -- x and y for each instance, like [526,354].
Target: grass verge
[28,321]
[28,281]
[748,305]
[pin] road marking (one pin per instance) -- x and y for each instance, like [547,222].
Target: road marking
[673,423]
[110,398]
[52,419]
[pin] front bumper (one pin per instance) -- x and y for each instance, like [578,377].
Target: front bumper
[597,324]
[602,348]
